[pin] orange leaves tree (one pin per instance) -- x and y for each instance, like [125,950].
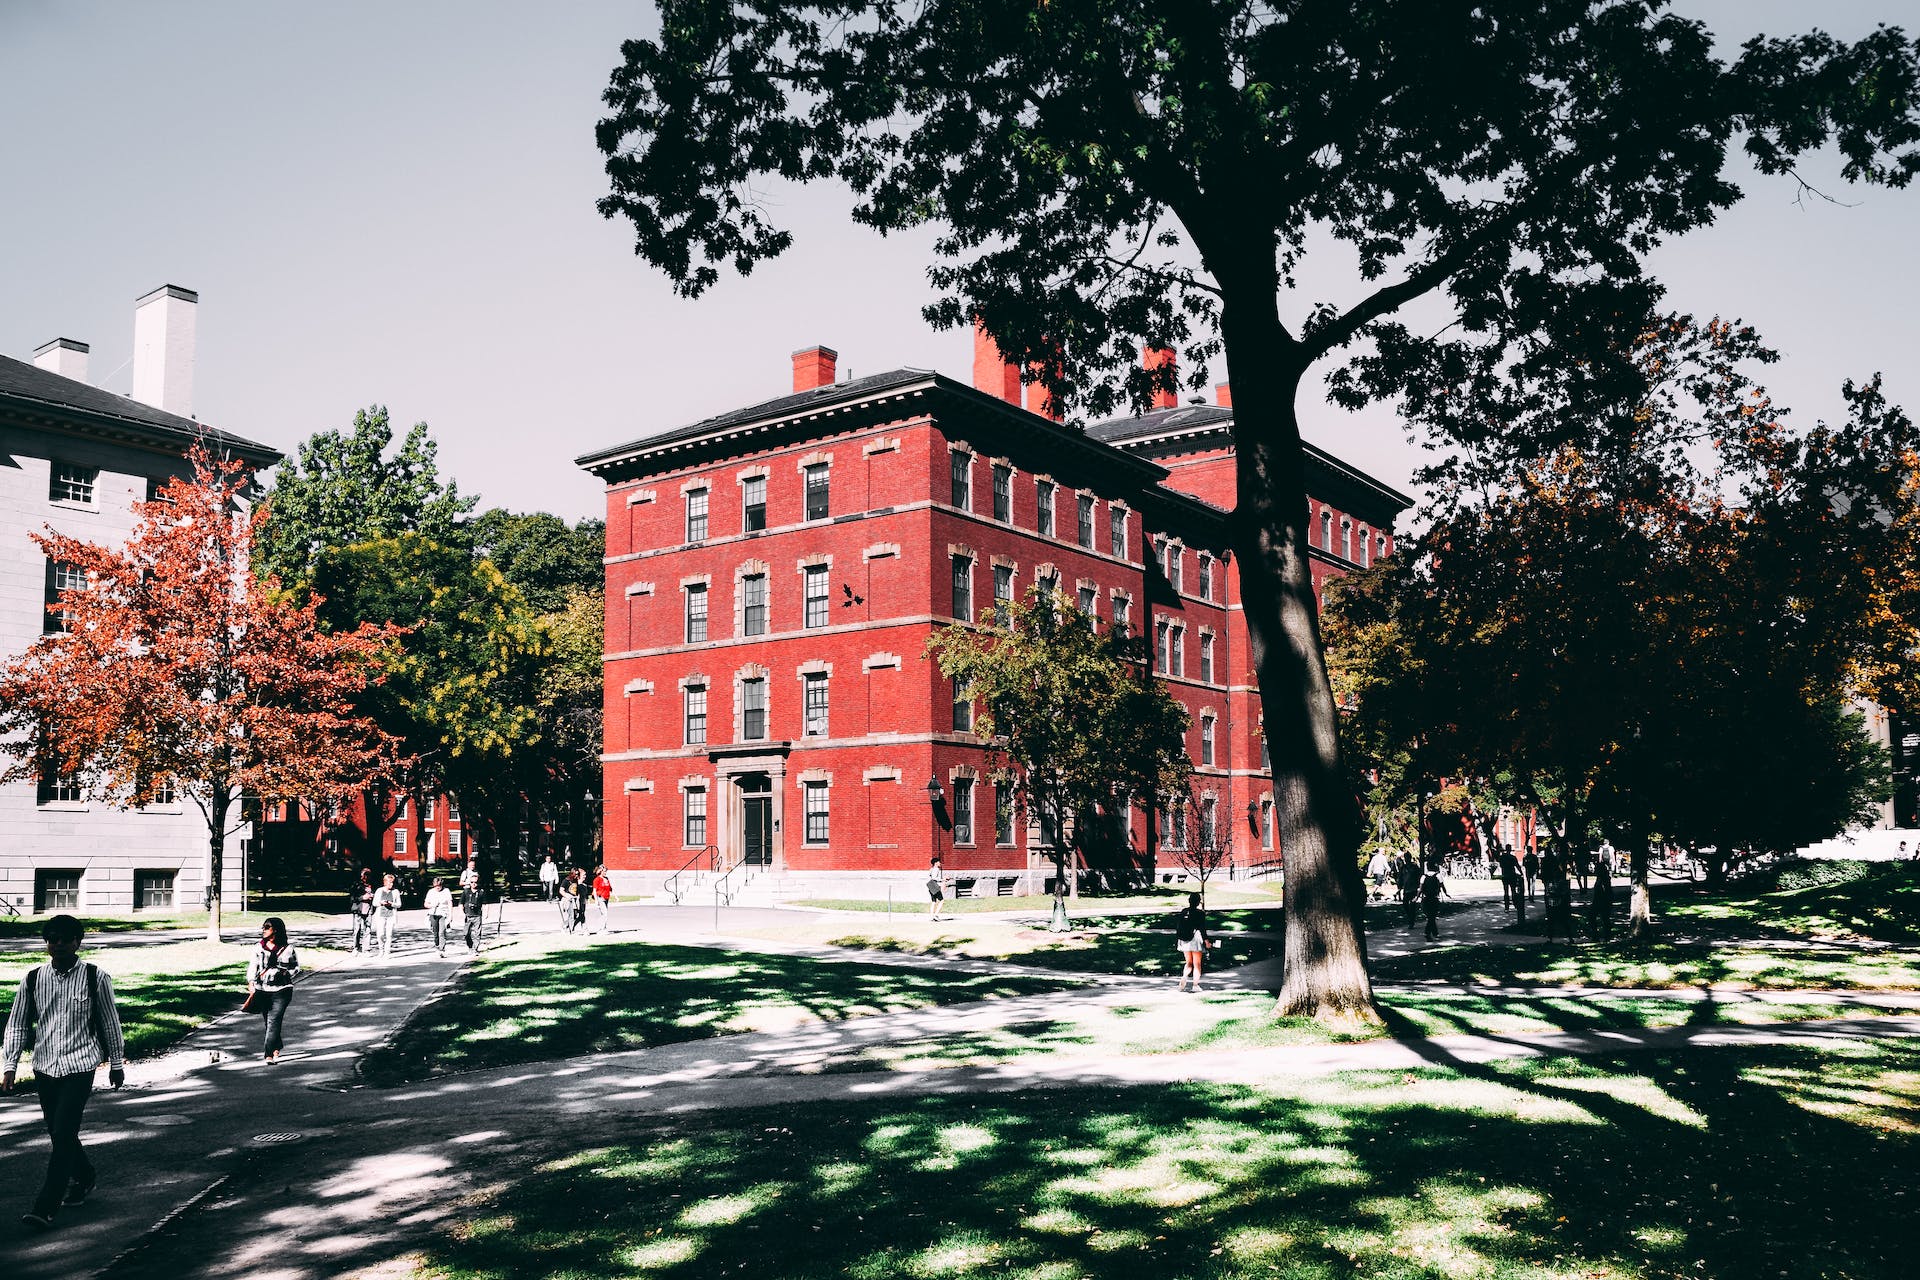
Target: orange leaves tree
[175,668]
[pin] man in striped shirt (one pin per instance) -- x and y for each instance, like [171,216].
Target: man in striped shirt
[64,1011]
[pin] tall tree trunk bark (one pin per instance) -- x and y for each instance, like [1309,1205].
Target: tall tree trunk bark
[1325,974]
[216,861]
[1640,898]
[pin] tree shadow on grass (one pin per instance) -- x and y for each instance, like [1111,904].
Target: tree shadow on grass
[1131,950]
[620,996]
[1656,963]
[157,1009]
[1728,1162]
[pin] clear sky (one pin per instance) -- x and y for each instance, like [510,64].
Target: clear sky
[394,203]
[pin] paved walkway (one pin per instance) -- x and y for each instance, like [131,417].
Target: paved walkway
[214,1164]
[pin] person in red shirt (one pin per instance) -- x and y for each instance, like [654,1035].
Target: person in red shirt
[602,898]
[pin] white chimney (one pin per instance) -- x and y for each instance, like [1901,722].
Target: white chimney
[163,325]
[63,356]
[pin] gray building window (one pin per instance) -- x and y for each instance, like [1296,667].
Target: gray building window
[753,499]
[60,577]
[963,588]
[816,476]
[1002,594]
[963,480]
[1083,514]
[1117,530]
[153,890]
[816,595]
[56,889]
[963,810]
[816,812]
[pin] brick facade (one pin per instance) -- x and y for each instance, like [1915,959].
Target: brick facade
[773,576]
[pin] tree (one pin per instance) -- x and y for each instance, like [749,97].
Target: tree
[177,668]
[343,489]
[542,556]
[460,672]
[1075,712]
[1111,171]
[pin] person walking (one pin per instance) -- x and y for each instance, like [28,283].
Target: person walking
[563,898]
[360,907]
[64,1012]
[936,890]
[271,971]
[1600,904]
[386,912]
[472,906]
[549,879]
[1509,879]
[1377,872]
[1530,868]
[470,874]
[1431,891]
[602,900]
[1553,870]
[1191,941]
[439,913]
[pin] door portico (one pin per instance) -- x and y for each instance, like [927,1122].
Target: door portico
[751,779]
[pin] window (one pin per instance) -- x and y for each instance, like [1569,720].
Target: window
[963,480]
[695,700]
[753,709]
[153,890]
[1117,531]
[753,610]
[697,613]
[816,811]
[399,842]
[1326,528]
[1175,563]
[962,708]
[1120,609]
[1090,603]
[1160,630]
[453,843]
[431,805]
[1002,594]
[963,588]
[963,810]
[1177,656]
[1266,765]
[60,577]
[1380,546]
[816,594]
[400,809]
[1206,576]
[1049,827]
[1365,557]
[1003,814]
[1206,659]
[1266,825]
[816,476]
[157,489]
[1002,492]
[1346,539]
[165,794]
[1206,740]
[1048,585]
[72,483]
[1173,824]
[58,788]
[694,805]
[753,500]
[1084,521]
[697,515]
[815,708]
[56,889]
[453,809]
[1043,494]
[1209,823]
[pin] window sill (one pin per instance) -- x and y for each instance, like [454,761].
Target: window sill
[64,806]
[72,504]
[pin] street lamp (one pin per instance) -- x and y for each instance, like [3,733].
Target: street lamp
[934,796]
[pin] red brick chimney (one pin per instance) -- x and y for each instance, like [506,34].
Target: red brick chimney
[1223,394]
[1043,399]
[814,367]
[992,372]
[1161,358]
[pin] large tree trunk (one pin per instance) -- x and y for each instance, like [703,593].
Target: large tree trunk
[1640,898]
[216,864]
[1325,974]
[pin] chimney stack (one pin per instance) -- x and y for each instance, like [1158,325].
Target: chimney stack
[1155,358]
[63,356]
[993,373]
[163,332]
[1223,394]
[814,367]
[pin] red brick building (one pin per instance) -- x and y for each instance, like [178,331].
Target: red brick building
[773,575]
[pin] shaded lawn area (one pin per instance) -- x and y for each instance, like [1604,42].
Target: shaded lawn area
[1840,899]
[146,922]
[1144,949]
[1660,964]
[521,1003]
[162,991]
[1787,1162]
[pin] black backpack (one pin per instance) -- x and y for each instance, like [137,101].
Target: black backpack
[95,1023]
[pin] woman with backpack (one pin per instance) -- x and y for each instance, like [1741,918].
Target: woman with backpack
[271,970]
[1190,937]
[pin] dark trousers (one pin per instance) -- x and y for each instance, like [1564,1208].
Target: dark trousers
[1600,917]
[1433,921]
[439,925]
[272,1014]
[63,1100]
[474,931]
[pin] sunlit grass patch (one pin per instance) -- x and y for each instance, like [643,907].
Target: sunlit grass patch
[1117,944]
[1657,964]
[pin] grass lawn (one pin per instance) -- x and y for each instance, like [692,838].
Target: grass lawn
[535,1000]
[146,921]
[1140,945]
[1786,1162]
[162,991]
[1661,964]
[1839,899]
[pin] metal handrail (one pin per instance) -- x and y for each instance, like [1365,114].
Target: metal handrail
[676,887]
[724,892]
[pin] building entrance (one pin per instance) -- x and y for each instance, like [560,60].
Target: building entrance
[756,821]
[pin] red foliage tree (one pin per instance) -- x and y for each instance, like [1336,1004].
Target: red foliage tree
[174,667]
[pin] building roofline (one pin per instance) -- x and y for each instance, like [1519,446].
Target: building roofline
[29,389]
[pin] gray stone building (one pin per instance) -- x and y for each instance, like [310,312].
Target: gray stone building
[76,457]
